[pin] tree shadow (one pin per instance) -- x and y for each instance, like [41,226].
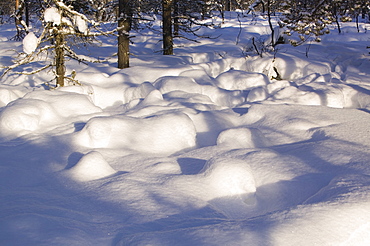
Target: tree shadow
[226,219]
[204,226]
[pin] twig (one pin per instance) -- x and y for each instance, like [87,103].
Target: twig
[255,47]
[240,30]
[35,71]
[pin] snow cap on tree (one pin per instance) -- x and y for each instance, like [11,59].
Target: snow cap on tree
[30,43]
[52,15]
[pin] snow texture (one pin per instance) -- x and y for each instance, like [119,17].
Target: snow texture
[91,166]
[159,134]
[240,80]
[214,145]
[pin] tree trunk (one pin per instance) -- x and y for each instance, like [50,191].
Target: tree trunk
[338,24]
[228,5]
[176,24]
[124,25]
[204,9]
[167,27]
[59,57]
[27,13]
[270,23]
[18,17]
[18,21]
[16,5]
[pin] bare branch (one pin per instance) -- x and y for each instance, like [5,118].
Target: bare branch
[35,71]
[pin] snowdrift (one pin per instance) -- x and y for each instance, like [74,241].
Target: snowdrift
[211,146]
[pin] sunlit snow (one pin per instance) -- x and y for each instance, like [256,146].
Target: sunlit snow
[30,43]
[211,146]
[52,15]
[80,23]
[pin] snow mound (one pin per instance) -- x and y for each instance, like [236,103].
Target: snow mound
[224,183]
[223,97]
[257,94]
[7,96]
[90,167]
[40,111]
[289,67]
[313,77]
[199,75]
[141,91]
[312,90]
[153,97]
[105,97]
[229,177]
[25,116]
[160,134]
[320,68]
[276,85]
[241,138]
[174,83]
[170,84]
[293,95]
[66,104]
[240,80]
[282,124]
[330,95]
[198,101]
[209,124]
[151,104]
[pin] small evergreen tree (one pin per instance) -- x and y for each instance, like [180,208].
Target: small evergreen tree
[62,26]
[311,18]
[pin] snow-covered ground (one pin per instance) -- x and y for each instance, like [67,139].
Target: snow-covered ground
[201,148]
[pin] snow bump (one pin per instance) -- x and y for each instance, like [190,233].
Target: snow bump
[90,167]
[229,177]
[159,134]
[240,80]
[241,138]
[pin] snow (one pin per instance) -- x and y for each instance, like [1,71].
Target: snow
[52,15]
[237,138]
[158,134]
[206,147]
[240,80]
[81,24]
[30,43]
[90,167]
